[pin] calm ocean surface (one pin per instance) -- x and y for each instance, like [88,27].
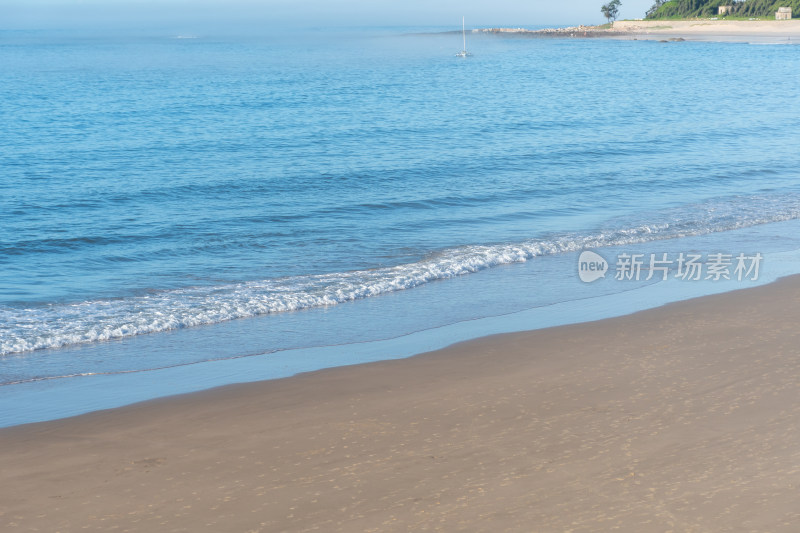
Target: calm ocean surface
[166,201]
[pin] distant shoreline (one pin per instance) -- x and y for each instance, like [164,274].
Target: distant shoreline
[666,30]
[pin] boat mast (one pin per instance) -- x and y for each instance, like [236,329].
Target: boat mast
[463,34]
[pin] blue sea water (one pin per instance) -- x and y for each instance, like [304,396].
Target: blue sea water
[171,200]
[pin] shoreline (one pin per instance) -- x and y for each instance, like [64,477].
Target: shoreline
[682,417]
[666,30]
[41,400]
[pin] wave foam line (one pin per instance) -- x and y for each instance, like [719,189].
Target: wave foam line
[60,325]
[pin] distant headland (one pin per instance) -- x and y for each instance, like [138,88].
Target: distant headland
[683,20]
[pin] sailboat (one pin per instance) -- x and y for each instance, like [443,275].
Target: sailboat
[463,52]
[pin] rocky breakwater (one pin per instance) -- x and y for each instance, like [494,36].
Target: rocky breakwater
[572,31]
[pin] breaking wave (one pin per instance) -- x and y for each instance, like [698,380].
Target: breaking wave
[59,325]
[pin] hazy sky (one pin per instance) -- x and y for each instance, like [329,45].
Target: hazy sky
[208,14]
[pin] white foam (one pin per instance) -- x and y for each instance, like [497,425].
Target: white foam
[58,325]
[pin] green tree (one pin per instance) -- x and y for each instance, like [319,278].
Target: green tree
[611,10]
[655,7]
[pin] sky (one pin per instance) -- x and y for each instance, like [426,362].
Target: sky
[202,15]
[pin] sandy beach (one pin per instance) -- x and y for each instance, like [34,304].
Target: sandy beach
[712,30]
[762,31]
[683,418]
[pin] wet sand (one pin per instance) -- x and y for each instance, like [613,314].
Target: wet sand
[682,418]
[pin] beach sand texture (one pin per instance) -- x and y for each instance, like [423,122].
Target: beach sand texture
[683,418]
[711,30]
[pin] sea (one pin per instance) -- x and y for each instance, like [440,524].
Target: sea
[181,212]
